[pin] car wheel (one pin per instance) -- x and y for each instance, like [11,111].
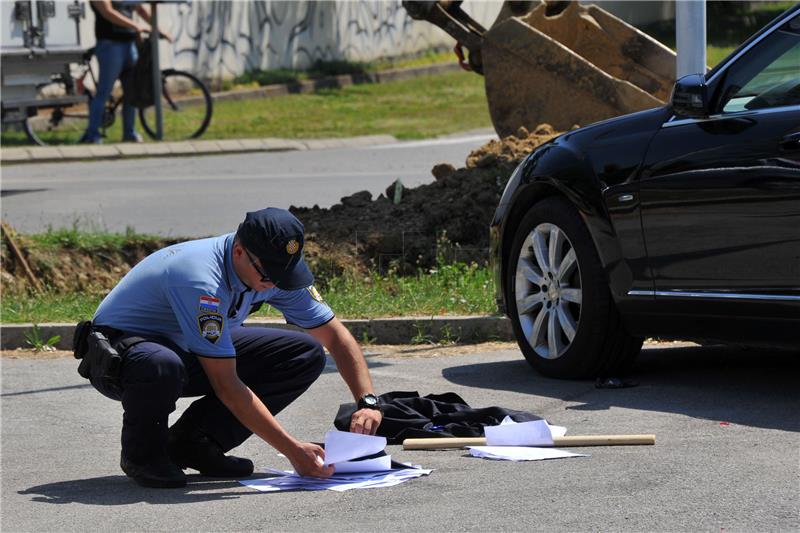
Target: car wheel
[559,302]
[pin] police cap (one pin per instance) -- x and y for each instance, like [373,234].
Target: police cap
[276,237]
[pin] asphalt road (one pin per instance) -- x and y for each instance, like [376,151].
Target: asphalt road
[727,456]
[208,195]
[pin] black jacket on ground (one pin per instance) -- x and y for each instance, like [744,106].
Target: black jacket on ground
[409,415]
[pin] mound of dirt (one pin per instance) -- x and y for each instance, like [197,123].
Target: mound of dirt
[403,229]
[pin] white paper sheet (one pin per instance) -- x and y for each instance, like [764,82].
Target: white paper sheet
[520,453]
[344,446]
[288,480]
[533,433]
[378,464]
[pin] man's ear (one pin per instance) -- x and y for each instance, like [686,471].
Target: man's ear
[238,250]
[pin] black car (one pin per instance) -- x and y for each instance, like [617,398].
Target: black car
[676,222]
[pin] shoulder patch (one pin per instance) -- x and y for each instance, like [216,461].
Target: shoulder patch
[209,304]
[210,325]
[314,293]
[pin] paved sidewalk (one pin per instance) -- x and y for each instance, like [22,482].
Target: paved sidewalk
[400,330]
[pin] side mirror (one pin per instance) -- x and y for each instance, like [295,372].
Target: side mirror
[690,96]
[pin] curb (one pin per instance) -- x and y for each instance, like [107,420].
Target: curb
[49,154]
[416,330]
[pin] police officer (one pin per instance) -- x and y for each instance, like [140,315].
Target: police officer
[177,319]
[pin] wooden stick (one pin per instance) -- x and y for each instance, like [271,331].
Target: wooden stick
[17,253]
[572,440]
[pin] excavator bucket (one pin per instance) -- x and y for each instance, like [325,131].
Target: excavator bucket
[573,65]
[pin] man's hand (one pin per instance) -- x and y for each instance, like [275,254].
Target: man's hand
[308,459]
[353,368]
[365,421]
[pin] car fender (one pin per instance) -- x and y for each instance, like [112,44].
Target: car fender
[560,169]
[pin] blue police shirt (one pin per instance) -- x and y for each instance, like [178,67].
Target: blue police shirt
[190,294]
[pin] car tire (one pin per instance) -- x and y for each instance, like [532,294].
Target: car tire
[561,308]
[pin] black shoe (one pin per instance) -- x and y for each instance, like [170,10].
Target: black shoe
[192,449]
[160,473]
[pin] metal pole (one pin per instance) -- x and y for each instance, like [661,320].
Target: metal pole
[156,69]
[690,36]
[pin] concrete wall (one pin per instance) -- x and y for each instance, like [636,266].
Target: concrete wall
[222,39]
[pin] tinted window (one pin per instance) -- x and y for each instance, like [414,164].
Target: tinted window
[768,75]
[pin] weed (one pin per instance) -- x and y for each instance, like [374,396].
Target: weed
[36,341]
[446,336]
[366,340]
[421,336]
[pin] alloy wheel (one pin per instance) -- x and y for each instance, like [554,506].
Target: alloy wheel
[547,291]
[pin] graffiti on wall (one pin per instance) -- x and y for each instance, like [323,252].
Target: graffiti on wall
[222,39]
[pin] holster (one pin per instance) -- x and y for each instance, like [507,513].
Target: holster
[101,361]
[102,364]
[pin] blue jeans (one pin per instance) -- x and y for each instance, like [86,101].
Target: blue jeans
[114,58]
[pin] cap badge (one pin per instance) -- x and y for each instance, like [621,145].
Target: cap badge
[292,247]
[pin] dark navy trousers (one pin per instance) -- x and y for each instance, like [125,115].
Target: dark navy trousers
[277,365]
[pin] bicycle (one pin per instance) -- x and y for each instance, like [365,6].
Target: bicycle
[186,107]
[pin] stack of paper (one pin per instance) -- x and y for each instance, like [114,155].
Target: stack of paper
[288,480]
[533,433]
[352,452]
[520,453]
[359,462]
[512,441]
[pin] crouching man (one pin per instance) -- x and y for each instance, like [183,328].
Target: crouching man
[172,328]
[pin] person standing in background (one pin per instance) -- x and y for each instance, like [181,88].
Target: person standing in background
[116,33]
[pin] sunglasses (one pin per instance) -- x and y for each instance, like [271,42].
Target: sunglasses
[264,277]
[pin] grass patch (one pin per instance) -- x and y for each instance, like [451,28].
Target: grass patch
[77,239]
[457,289]
[411,109]
[322,69]
[715,54]
[47,307]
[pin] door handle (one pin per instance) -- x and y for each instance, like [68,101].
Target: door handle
[791,141]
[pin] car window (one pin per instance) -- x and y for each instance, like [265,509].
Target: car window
[768,75]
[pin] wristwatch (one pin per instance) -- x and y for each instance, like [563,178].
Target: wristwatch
[369,401]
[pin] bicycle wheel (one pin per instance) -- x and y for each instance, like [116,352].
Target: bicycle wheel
[57,123]
[185,105]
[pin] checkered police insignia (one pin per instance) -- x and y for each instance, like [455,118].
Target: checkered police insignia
[292,247]
[314,293]
[209,304]
[210,326]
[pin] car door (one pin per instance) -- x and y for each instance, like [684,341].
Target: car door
[720,196]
